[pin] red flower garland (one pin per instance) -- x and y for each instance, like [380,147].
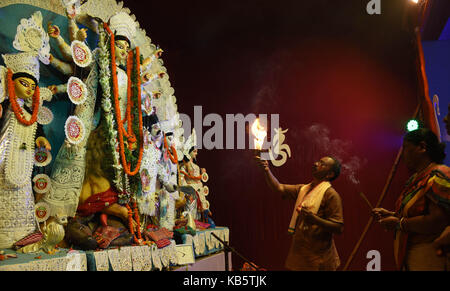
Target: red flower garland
[16,107]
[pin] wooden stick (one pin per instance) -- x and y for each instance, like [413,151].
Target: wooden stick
[365,199]
[380,200]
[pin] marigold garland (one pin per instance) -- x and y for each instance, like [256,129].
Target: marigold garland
[190,176]
[174,157]
[121,129]
[16,107]
[137,239]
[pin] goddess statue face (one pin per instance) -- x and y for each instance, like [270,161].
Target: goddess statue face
[24,87]
[122,49]
[194,154]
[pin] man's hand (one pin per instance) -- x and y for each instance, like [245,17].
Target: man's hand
[379,213]
[264,164]
[307,215]
[389,223]
[442,241]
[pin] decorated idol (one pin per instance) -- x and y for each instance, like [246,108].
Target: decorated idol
[157,185]
[192,175]
[167,210]
[108,183]
[22,144]
[80,66]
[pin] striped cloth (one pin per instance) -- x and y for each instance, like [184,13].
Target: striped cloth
[162,243]
[434,184]
[29,239]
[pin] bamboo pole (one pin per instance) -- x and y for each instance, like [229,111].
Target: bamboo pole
[380,200]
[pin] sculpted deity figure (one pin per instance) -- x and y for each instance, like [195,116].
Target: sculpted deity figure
[192,175]
[158,186]
[117,143]
[167,210]
[19,86]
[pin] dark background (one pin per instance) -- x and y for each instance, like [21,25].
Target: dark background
[324,63]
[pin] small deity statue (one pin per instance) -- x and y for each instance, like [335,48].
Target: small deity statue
[192,175]
[157,185]
[167,210]
[19,128]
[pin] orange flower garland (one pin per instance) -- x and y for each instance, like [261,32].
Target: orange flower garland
[16,107]
[174,157]
[131,137]
[121,130]
[190,176]
[137,239]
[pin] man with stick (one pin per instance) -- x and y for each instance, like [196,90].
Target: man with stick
[316,217]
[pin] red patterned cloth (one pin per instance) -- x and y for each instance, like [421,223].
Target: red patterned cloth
[97,202]
[29,239]
[201,225]
[432,185]
[248,267]
[162,243]
[160,234]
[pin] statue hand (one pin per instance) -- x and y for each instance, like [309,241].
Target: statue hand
[146,77]
[71,12]
[82,34]
[53,30]
[43,142]
[53,88]
[203,170]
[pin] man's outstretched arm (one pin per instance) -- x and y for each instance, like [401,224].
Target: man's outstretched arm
[285,190]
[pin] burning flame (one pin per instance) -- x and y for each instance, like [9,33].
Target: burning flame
[259,133]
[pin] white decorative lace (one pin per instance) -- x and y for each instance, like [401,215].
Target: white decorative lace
[31,37]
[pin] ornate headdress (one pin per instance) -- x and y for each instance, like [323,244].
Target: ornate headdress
[33,42]
[32,38]
[23,63]
[122,24]
[189,144]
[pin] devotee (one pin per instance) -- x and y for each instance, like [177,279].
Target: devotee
[420,215]
[316,217]
[442,243]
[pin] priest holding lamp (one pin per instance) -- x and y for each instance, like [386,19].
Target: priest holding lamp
[316,217]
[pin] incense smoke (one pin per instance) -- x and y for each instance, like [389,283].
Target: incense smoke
[319,136]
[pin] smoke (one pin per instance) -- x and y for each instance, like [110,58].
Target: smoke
[318,136]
